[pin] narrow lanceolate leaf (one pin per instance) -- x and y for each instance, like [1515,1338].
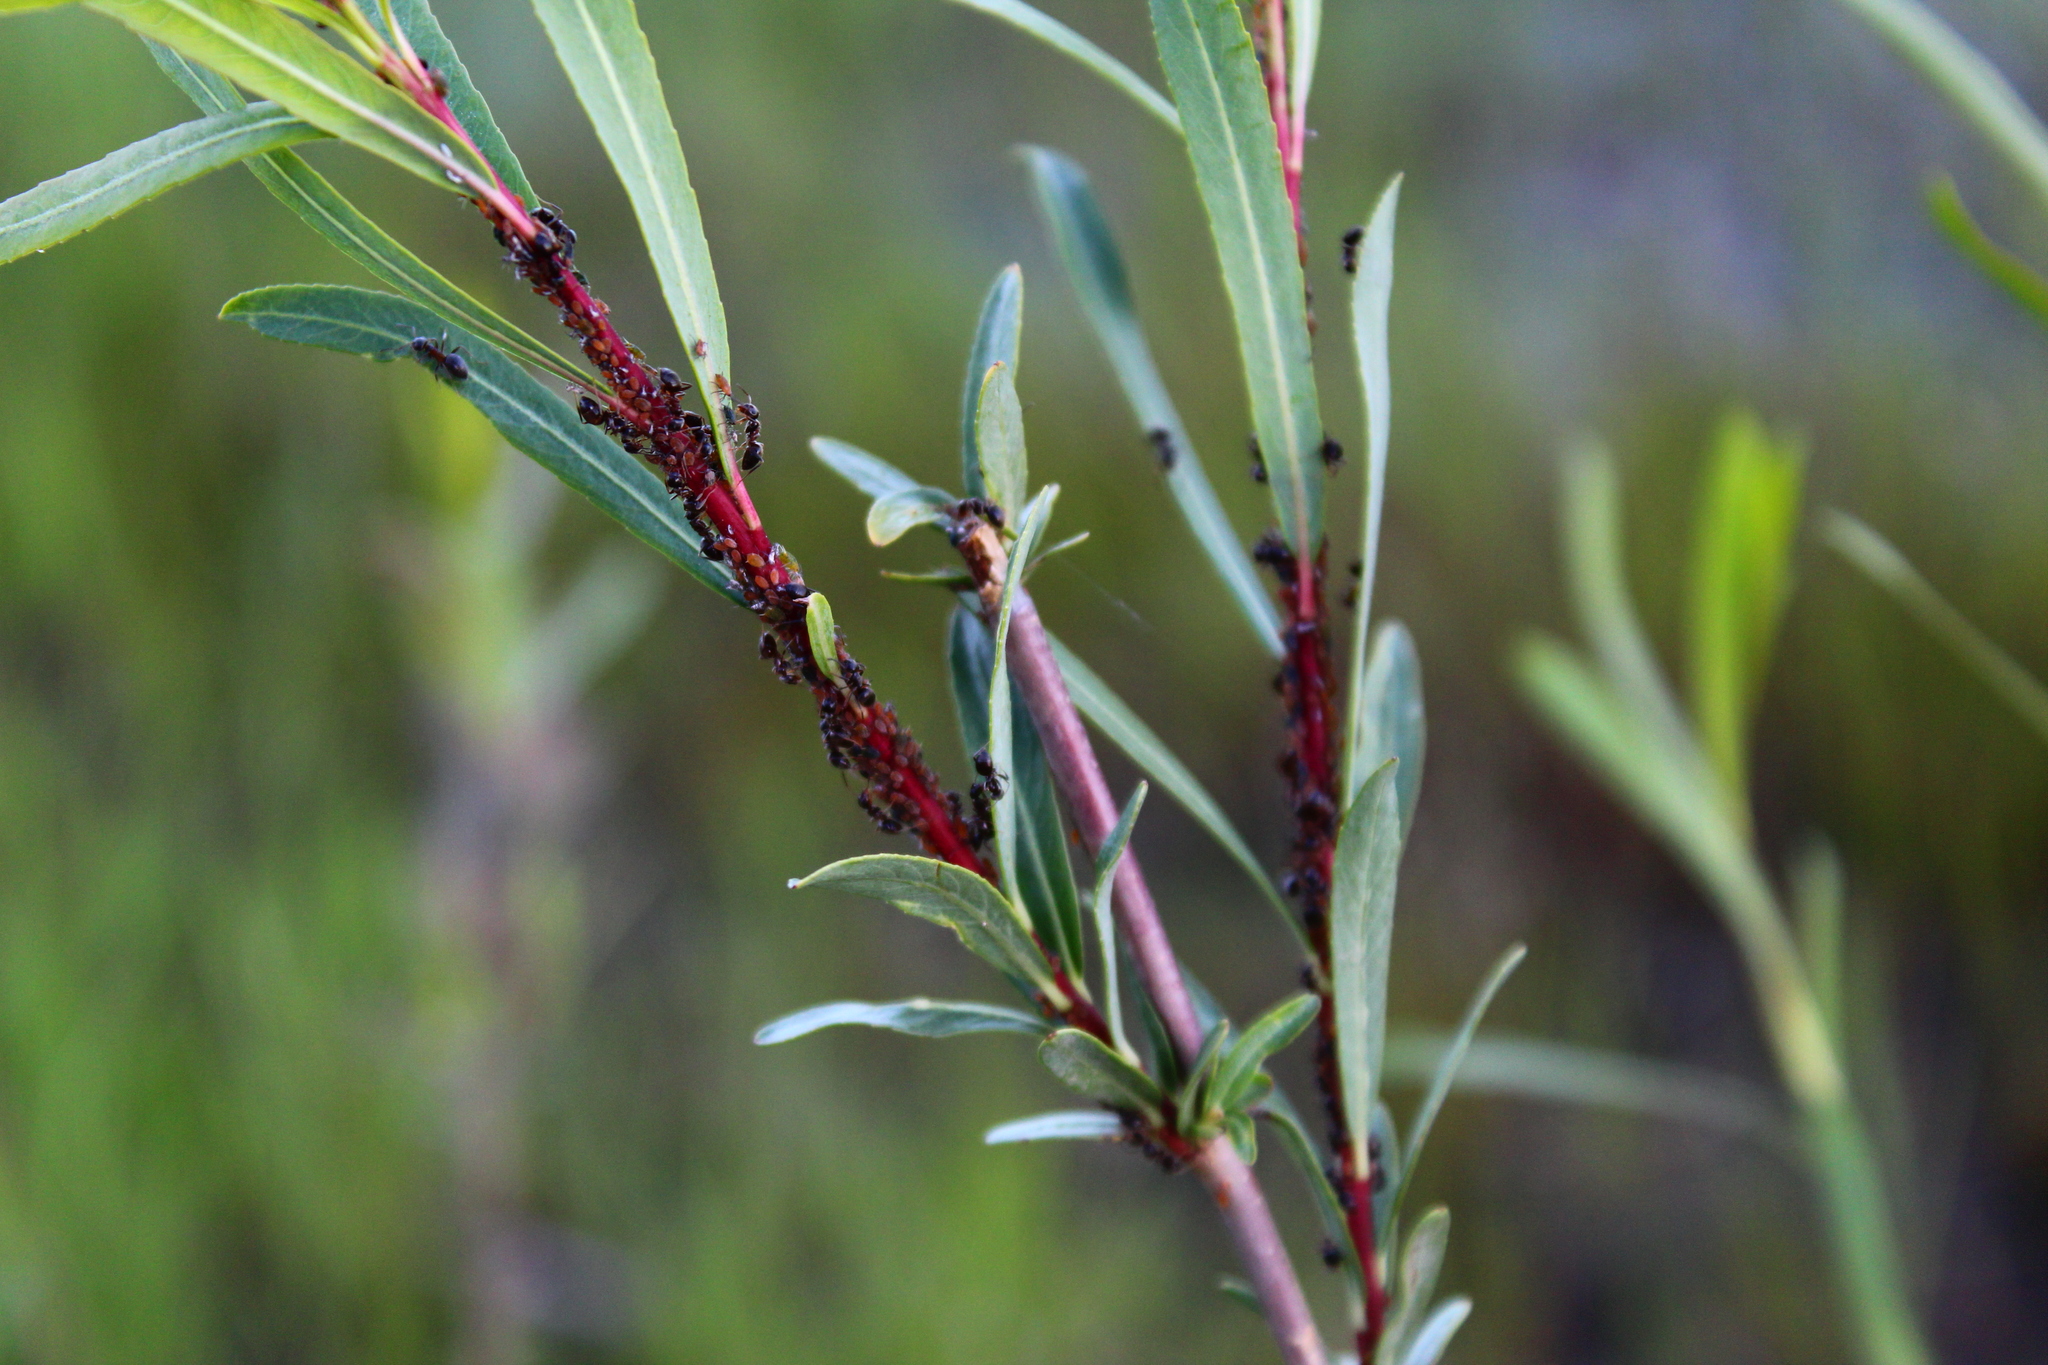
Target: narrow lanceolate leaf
[1081,1060]
[1971,83]
[1269,1033]
[920,1017]
[1390,720]
[465,101]
[609,63]
[1104,903]
[1280,1113]
[280,59]
[991,928]
[1044,875]
[82,199]
[1055,34]
[1741,577]
[1001,734]
[537,422]
[1889,569]
[1434,1337]
[1095,268]
[1447,1067]
[1422,1260]
[1067,1125]
[1368,860]
[1229,126]
[305,192]
[999,440]
[1372,291]
[1595,1078]
[1107,712]
[998,335]
[871,474]
[2009,272]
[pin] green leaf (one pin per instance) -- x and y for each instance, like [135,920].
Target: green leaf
[1269,1033]
[1244,1135]
[1422,1260]
[1191,1101]
[302,190]
[1565,1073]
[1389,720]
[1096,270]
[890,516]
[1881,562]
[999,439]
[1057,35]
[2004,269]
[1229,126]
[997,336]
[1368,861]
[1434,1337]
[1001,730]
[1044,873]
[1103,900]
[993,929]
[1971,83]
[536,422]
[1063,1125]
[920,1017]
[1308,1160]
[1241,1293]
[1742,547]
[1447,1068]
[824,634]
[465,101]
[23,6]
[79,200]
[611,67]
[1121,726]
[280,59]
[1081,1060]
[871,474]
[1817,907]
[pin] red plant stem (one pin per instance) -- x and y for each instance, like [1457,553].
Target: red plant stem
[1071,756]
[1289,131]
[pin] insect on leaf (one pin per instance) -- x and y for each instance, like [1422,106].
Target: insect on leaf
[1065,1125]
[1058,36]
[999,440]
[1221,95]
[1096,270]
[824,634]
[537,422]
[920,1018]
[465,101]
[611,67]
[280,59]
[79,200]
[1081,1060]
[990,926]
[1368,861]
[998,335]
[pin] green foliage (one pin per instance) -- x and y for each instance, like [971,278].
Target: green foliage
[999,440]
[1058,36]
[1083,1063]
[2020,280]
[1368,863]
[998,336]
[80,200]
[423,32]
[1389,720]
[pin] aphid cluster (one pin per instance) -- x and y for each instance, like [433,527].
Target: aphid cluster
[986,790]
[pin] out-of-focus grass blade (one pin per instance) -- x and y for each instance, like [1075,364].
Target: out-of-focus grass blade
[992,929]
[1741,572]
[1391,723]
[537,422]
[280,59]
[1372,292]
[1304,37]
[306,193]
[1229,125]
[609,63]
[1447,1067]
[920,1017]
[1817,907]
[1055,34]
[1886,567]
[1564,1073]
[998,335]
[999,440]
[1970,82]
[1095,268]
[79,200]
[2006,270]
[465,101]
[1121,726]
[1072,1125]
[1368,863]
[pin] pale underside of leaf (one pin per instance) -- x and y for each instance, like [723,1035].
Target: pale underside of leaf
[1070,1125]
[920,1018]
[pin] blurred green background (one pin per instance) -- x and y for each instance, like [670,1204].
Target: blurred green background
[286,786]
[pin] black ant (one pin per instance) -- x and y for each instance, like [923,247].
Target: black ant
[1333,453]
[1351,241]
[1162,446]
[441,358]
